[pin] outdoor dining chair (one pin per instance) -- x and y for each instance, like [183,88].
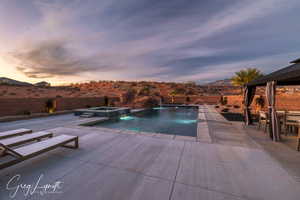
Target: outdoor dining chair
[263,120]
[292,121]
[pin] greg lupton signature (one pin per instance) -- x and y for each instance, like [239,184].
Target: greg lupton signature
[15,185]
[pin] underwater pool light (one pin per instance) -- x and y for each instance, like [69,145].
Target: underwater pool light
[126,118]
[134,129]
[159,108]
[186,121]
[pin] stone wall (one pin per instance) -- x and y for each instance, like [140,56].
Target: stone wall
[288,102]
[192,99]
[10,106]
[17,106]
[283,102]
[205,99]
[73,103]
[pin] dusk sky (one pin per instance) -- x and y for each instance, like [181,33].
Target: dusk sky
[162,40]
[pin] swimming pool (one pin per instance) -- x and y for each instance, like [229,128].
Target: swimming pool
[167,120]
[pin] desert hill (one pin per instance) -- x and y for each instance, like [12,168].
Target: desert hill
[224,82]
[8,81]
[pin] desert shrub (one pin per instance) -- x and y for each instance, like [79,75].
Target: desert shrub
[179,90]
[147,102]
[151,102]
[128,96]
[145,91]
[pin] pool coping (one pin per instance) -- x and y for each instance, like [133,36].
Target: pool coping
[202,126]
[201,136]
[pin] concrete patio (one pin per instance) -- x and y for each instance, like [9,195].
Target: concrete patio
[110,164]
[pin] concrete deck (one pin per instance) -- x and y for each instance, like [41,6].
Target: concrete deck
[283,153]
[44,123]
[112,164]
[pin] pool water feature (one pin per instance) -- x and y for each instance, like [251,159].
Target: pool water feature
[168,120]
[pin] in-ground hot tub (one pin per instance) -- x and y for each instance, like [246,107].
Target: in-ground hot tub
[103,111]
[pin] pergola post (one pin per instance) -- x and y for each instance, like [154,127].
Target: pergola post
[249,93]
[274,126]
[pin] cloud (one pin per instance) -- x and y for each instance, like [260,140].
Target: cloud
[226,70]
[157,40]
[50,58]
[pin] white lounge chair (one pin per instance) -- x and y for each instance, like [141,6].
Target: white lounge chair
[29,151]
[13,133]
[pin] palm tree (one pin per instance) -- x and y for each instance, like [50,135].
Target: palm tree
[245,76]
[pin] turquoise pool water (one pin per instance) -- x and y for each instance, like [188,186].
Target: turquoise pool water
[168,120]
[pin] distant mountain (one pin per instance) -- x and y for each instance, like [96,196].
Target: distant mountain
[8,81]
[225,82]
[42,84]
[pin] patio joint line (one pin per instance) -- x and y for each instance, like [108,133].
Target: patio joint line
[214,190]
[178,166]
[109,165]
[165,179]
[128,170]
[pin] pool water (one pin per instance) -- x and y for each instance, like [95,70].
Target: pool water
[168,120]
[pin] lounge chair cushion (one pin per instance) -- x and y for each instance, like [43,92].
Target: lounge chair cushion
[16,132]
[14,141]
[45,144]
